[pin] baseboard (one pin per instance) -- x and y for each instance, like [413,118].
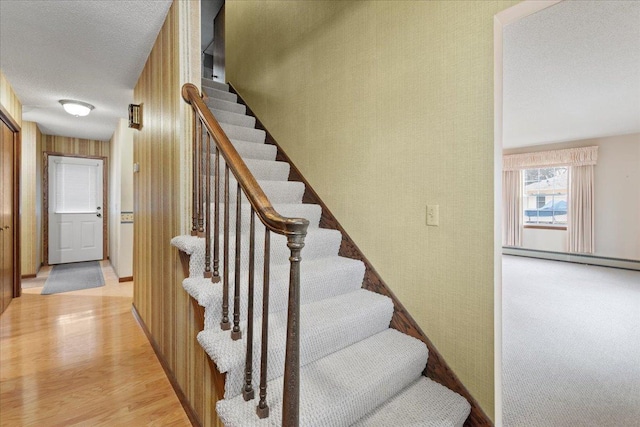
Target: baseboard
[125,279]
[627,264]
[436,369]
[28,276]
[191,414]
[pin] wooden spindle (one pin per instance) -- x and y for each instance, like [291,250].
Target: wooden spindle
[248,392]
[195,179]
[200,183]
[216,219]
[225,324]
[291,392]
[207,209]
[236,334]
[263,409]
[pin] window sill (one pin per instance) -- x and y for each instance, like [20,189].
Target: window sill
[546,227]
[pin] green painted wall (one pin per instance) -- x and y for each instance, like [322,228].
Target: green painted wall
[387,106]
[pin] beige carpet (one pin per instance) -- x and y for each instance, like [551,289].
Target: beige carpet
[571,344]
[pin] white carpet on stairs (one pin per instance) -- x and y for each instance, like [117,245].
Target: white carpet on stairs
[340,388]
[329,325]
[424,403]
[354,368]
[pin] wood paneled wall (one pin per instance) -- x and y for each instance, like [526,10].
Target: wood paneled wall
[31,200]
[78,146]
[9,100]
[160,200]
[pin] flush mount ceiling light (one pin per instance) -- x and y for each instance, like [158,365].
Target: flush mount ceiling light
[76,108]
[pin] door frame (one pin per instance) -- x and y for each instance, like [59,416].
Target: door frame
[45,201]
[501,20]
[17,162]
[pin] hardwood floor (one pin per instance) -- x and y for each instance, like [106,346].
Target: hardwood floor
[80,359]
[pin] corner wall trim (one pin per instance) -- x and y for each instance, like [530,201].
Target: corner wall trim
[436,368]
[191,414]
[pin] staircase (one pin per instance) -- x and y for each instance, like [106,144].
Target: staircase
[354,369]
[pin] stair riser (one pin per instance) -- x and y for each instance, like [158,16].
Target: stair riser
[244,133]
[310,212]
[234,119]
[214,84]
[316,247]
[248,150]
[324,284]
[219,104]
[260,169]
[220,94]
[276,191]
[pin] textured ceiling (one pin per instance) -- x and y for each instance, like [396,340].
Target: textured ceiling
[92,51]
[572,71]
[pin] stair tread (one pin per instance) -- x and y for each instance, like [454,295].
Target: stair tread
[326,326]
[339,389]
[424,403]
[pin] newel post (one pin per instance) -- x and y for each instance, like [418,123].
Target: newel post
[291,398]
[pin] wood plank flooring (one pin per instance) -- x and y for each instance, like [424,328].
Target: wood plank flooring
[80,359]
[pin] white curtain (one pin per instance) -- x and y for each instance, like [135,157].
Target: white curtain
[511,208]
[580,223]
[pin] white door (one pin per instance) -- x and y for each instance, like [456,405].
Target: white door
[75,209]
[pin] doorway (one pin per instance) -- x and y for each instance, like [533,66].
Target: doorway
[75,201]
[9,210]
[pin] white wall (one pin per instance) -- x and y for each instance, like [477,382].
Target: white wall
[121,196]
[617,199]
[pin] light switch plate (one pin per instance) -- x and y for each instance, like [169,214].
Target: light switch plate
[433,215]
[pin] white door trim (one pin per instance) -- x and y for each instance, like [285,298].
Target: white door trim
[500,20]
[45,201]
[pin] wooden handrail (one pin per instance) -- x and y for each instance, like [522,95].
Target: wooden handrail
[295,229]
[261,204]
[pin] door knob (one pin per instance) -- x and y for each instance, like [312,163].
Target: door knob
[6,227]
[99,215]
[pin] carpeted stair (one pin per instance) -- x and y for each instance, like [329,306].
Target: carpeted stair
[355,370]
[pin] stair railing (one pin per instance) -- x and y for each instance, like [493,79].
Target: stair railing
[209,140]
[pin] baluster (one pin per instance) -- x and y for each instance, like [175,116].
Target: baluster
[235,333]
[225,324]
[216,220]
[263,409]
[200,183]
[248,392]
[194,191]
[207,209]
[291,392]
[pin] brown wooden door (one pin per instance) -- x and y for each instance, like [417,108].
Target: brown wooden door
[7,262]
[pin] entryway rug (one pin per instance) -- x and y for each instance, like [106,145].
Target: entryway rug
[73,277]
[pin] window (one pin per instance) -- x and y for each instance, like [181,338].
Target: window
[545,196]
